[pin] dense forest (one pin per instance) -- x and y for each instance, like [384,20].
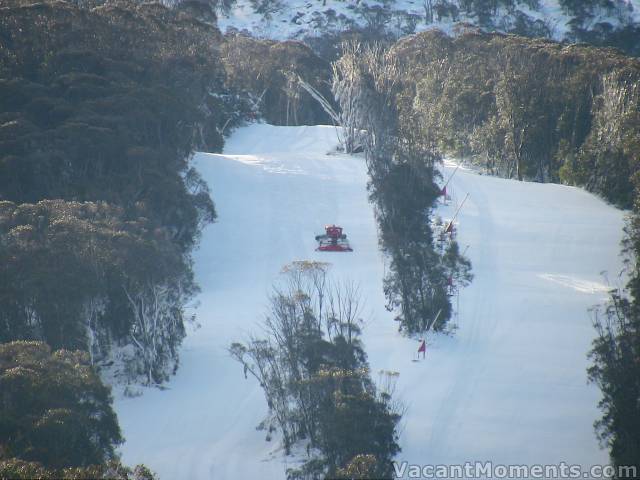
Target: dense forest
[50,396]
[529,109]
[101,109]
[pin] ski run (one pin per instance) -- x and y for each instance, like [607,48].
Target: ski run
[509,386]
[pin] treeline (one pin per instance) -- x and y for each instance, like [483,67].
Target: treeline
[56,417]
[101,110]
[370,87]
[268,71]
[615,27]
[529,109]
[604,23]
[84,275]
[311,364]
[584,28]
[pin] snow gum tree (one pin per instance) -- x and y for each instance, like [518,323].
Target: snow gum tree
[527,108]
[56,418]
[313,370]
[616,371]
[368,84]
[609,157]
[64,423]
[104,118]
[78,275]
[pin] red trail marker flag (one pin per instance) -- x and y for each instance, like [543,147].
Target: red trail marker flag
[422,348]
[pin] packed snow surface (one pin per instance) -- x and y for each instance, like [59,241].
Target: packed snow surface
[509,386]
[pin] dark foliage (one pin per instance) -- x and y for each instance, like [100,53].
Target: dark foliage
[56,418]
[371,86]
[16,469]
[72,274]
[529,109]
[107,104]
[616,370]
[102,106]
[55,410]
[269,71]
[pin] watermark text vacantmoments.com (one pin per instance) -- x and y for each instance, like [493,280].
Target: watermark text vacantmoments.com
[473,470]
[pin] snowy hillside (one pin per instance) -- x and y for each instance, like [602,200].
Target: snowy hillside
[509,386]
[287,19]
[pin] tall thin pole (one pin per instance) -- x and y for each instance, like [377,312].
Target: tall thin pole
[456,214]
[451,176]
[457,307]
[427,328]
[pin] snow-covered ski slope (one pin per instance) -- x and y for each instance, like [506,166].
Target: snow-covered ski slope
[509,386]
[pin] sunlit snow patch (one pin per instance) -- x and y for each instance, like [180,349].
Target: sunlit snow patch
[584,286]
[268,165]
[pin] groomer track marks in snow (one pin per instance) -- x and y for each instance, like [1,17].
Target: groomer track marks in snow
[509,386]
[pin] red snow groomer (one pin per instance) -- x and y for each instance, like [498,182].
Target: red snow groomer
[333,240]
